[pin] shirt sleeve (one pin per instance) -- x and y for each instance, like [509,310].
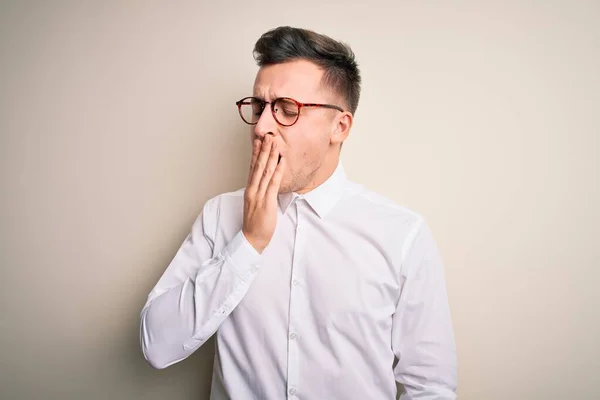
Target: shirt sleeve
[196,293]
[422,334]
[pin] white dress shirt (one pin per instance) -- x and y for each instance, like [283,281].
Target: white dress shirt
[349,281]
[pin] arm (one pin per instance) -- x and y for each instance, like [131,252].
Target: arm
[196,293]
[422,335]
[199,289]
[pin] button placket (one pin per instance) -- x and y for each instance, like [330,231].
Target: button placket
[293,352]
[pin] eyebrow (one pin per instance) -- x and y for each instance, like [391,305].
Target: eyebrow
[273,96]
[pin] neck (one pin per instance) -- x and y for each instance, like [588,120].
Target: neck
[323,173]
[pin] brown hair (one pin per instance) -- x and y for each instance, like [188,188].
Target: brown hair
[335,58]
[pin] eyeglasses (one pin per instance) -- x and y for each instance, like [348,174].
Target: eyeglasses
[286,111]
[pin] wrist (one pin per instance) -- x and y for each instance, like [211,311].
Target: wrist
[259,245]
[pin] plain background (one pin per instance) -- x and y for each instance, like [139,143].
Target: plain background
[118,122]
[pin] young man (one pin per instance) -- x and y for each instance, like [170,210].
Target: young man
[312,283]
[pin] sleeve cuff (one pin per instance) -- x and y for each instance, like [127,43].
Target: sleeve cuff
[242,257]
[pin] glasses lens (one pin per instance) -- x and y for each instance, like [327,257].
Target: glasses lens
[251,109]
[286,111]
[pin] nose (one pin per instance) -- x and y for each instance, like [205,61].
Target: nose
[266,124]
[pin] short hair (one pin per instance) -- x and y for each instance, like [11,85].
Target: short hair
[337,60]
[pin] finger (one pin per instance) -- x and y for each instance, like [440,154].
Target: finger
[268,171]
[260,164]
[255,151]
[275,183]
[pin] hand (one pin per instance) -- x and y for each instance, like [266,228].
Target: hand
[260,197]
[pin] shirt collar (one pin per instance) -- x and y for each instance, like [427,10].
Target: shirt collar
[323,197]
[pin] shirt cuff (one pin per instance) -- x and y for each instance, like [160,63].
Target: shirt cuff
[242,257]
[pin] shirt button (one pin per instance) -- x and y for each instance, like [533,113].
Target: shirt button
[295,282]
[293,336]
[254,269]
[292,391]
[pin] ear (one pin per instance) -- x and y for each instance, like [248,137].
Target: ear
[341,127]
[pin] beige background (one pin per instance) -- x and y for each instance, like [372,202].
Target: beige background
[118,122]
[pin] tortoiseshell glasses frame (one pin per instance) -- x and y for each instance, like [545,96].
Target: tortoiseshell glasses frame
[285,110]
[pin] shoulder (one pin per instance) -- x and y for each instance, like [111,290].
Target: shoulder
[223,211]
[395,221]
[377,204]
[224,202]
[409,230]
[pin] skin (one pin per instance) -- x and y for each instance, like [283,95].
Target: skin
[309,149]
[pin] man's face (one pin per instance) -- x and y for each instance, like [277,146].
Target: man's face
[306,144]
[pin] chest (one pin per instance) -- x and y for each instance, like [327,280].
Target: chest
[324,270]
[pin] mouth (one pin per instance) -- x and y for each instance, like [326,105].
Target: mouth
[279,159]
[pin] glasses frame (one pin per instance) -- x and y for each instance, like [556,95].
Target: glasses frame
[245,101]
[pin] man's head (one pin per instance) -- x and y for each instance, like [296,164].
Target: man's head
[309,68]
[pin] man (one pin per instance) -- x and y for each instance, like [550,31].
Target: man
[312,283]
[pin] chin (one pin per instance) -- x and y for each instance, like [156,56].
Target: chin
[284,188]
[287,185]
